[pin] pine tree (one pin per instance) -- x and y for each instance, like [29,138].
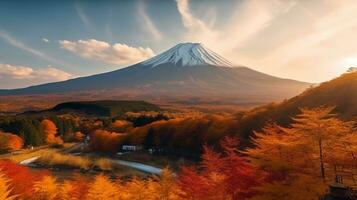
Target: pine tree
[46,189]
[102,188]
[5,189]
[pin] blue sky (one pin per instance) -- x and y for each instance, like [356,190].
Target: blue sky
[44,41]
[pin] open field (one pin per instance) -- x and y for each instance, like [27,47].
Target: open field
[14,104]
[64,165]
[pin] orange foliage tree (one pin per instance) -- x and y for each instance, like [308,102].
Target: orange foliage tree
[121,126]
[50,131]
[102,188]
[305,157]
[21,179]
[5,189]
[184,136]
[75,189]
[74,137]
[105,141]
[10,141]
[78,136]
[47,188]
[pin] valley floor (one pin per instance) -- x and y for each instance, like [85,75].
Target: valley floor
[131,164]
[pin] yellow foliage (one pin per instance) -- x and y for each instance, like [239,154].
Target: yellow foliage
[46,189]
[9,141]
[300,188]
[137,189]
[55,158]
[4,188]
[104,164]
[165,186]
[66,191]
[102,189]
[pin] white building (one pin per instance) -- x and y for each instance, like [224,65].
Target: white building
[131,148]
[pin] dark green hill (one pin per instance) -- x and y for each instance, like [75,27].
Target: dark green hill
[104,108]
[340,92]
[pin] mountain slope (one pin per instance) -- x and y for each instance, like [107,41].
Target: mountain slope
[188,69]
[340,92]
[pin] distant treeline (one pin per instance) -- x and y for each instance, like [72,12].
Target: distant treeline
[105,108]
[30,129]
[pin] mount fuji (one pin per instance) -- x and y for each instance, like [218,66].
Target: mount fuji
[185,70]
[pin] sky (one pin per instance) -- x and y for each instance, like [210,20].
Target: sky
[46,41]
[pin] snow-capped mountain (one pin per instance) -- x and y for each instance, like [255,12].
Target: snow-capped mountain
[188,54]
[352,69]
[186,70]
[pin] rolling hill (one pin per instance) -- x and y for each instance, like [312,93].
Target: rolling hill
[340,92]
[106,108]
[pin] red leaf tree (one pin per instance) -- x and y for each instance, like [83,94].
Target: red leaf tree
[225,175]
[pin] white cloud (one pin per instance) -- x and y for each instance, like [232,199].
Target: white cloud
[326,40]
[84,18]
[287,38]
[147,23]
[18,44]
[251,17]
[341,17]
[189,21]
[51,73]
[102,51]
[16,72]
[24,72]
[45,40]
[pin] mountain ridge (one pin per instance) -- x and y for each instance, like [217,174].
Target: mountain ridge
[188,54]
[187,69]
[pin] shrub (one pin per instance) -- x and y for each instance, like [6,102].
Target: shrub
[10,142]
[54,158]
[105,141]
[104,164]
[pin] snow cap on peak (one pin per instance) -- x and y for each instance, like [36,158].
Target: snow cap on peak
[188,54]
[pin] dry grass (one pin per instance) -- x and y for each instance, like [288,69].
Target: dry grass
[104,164]
[53,158]
[26,153]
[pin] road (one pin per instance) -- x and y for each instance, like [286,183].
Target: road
[67,150]
[139,166]
[135,165]
[29,161]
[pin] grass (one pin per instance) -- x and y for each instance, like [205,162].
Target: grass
[104,164]
[63,158]
[53,158]
[23,154]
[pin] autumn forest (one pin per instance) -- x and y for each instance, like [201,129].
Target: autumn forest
[178,100]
